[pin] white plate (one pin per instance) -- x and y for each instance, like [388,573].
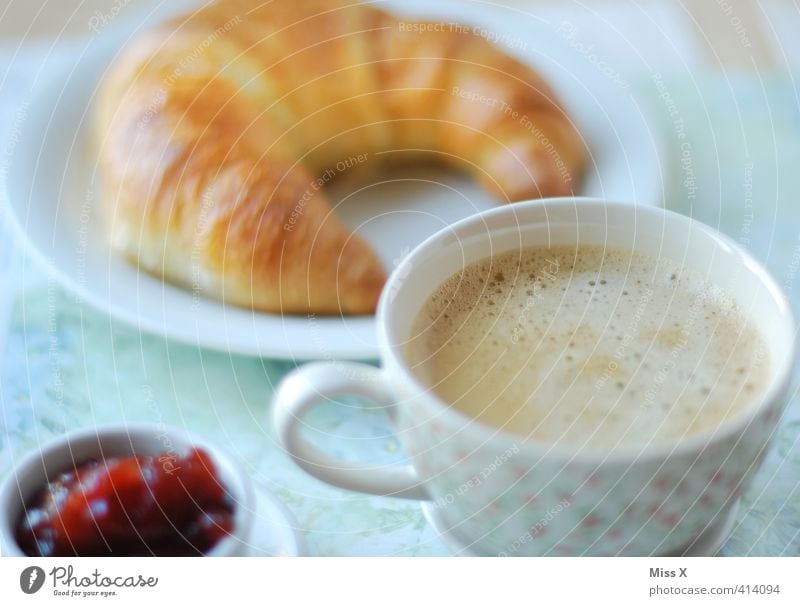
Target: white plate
[52,190]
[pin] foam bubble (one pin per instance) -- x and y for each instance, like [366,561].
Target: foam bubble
[588,346]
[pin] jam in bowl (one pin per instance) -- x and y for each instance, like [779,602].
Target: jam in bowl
[126,491]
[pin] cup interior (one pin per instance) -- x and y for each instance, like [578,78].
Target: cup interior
[63,454]
[573,221]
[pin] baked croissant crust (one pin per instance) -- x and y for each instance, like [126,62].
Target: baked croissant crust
[218,130]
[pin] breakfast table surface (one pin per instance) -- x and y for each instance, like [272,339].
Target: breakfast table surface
[718,82]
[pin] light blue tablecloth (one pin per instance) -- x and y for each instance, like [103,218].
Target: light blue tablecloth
[733,147]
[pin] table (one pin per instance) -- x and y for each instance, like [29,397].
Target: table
[726,67]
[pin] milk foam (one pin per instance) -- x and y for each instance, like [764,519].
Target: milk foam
[589,346]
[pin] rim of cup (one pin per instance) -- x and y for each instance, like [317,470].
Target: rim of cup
[121,439]
[390,347]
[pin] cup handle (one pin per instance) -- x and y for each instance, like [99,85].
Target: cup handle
[303,389]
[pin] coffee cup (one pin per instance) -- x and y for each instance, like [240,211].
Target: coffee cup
[502,494]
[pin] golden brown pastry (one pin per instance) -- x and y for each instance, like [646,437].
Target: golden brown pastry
[218,131]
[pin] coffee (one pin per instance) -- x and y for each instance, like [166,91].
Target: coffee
[589,346]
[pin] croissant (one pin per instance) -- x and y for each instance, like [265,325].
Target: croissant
[218,131]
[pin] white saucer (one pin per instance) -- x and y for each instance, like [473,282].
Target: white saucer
[275,531]
[707,544]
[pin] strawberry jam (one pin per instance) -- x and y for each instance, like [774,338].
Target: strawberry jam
[151,505]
